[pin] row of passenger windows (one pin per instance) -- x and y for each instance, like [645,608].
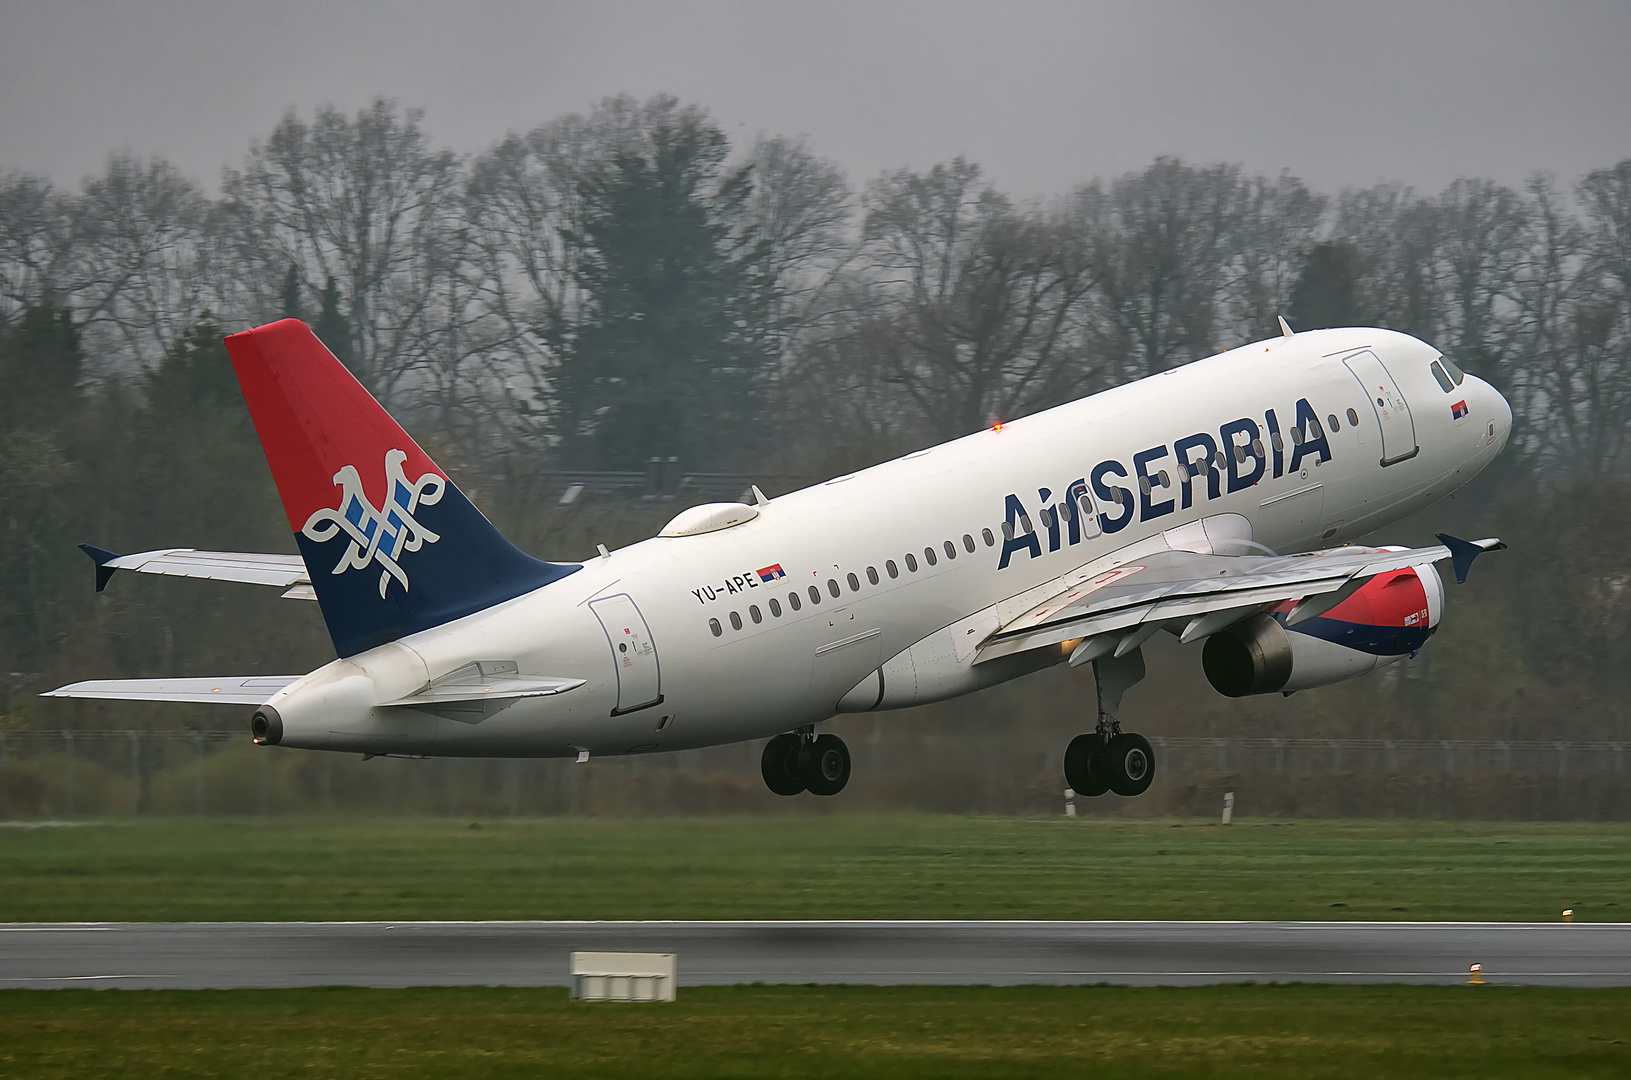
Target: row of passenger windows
[795,600]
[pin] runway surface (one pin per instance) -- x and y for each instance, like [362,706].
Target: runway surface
[239,955]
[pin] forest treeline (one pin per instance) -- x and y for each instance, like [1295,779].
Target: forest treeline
[630,282]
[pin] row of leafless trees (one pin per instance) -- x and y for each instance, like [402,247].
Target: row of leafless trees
[473,292]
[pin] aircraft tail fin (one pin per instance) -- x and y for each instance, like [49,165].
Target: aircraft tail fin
[391,545]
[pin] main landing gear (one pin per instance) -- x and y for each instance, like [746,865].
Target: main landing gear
[804,761]
[1107,758]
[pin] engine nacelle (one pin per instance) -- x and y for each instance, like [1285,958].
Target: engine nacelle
[1387,619]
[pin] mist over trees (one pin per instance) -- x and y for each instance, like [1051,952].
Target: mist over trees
[631,282]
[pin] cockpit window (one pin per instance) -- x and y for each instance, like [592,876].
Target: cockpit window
[1443,380]
[1456,373]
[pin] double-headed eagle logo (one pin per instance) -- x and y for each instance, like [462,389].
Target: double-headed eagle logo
[378,534]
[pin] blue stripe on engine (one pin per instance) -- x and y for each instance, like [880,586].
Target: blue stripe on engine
[1364,637]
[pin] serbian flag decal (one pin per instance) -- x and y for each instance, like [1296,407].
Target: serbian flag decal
[1459,410]
[773,572]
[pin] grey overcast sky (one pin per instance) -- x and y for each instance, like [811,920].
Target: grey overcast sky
[1042,94]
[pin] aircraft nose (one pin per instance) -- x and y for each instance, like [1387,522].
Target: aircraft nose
[1499,411]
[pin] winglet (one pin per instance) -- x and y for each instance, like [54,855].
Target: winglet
[101,558]
[1285,327]
[1463,552]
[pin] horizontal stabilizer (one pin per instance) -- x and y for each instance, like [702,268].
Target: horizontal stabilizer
[231,690]
[482,688]
[255,569]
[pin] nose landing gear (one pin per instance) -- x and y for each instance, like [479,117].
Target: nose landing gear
[1107,758]
[804,761]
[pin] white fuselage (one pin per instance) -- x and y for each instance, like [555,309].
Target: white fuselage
[892,642]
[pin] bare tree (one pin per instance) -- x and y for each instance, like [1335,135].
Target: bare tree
[364,201]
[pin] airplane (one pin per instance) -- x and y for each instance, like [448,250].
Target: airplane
[1212,501]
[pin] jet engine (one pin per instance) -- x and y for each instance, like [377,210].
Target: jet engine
[1388,618]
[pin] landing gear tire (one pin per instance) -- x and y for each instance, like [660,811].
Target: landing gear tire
[1084,768]
[780,764]
[824,765]
[1129,764]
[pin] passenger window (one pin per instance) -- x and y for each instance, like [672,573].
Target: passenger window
[1144,482]
[736,621]
[854,583]
[1444,381]
[1455,373]
[815,595]
[1279,443]
[1297,435]
[1025,523]
[1240,459]
[1007,530]
[713,624]
[968,543]
[1046,514]
[872,574]
[911,563]
[753,613]
[775,608]
[794,601]
[890,568]
[1332,420]
[1257,449]
[951,549]
[832,587]
[1353,418]
[990,541]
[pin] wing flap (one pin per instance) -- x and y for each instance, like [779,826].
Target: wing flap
[228,690]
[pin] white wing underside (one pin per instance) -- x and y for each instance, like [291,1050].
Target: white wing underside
[1193,594]
[284,571]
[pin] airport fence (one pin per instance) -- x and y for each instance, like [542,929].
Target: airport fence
[67,774]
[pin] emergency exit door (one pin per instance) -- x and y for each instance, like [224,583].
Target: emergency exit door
[1391,410]
[633,652]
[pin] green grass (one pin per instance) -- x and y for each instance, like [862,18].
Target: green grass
[1301,1032]
[808,868]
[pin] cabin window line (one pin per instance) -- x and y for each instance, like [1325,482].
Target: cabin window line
[1025,523]
[1335,427]
[1007,530]
[775,608]
[1046,514]
[832,587]
[1353,418]
[968,543]
[889,566]
[990,541]
[911,562]
[736,621]
[872,574]
[854,583]
[928,556]
[753,613]
[815,595]
[713,624]
[1257,447]
[951,549]
[1280,444]
[793,600]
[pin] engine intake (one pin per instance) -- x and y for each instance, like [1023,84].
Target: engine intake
[1253,657]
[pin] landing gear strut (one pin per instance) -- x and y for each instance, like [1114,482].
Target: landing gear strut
[804,761]
[1107,758]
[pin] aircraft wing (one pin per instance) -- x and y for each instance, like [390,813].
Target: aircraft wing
[231,690]
[1118,608]
[285,571]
